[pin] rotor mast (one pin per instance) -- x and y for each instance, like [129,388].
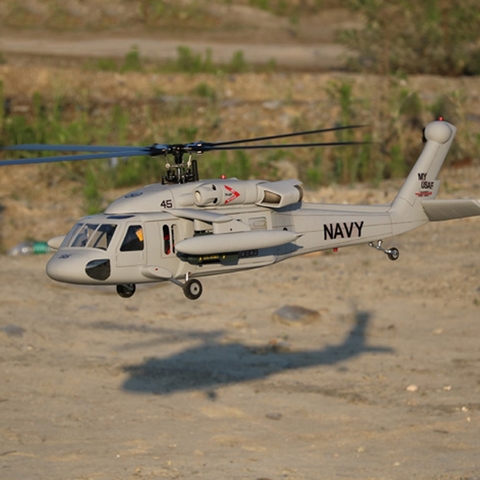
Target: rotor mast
[180,172]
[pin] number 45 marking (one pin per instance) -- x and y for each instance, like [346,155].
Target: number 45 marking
[167,204]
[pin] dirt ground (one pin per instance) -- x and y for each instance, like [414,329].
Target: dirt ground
[382,384]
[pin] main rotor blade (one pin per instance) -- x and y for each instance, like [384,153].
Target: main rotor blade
[72,158]
[287,135]
[40,147]
[214,147]
[99,152]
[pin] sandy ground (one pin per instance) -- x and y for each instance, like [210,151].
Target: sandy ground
[384,384]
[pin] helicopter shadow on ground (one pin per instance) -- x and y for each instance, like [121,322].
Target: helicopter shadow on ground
[213,365]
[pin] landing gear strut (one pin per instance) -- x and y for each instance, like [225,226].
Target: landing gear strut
[192,288]
[392,253]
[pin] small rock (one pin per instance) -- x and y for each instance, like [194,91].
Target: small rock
[272,104]
[412,388]
[13,330]
[278,346]
[274,416]
[295,315]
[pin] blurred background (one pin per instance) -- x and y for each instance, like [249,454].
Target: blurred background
[121,72]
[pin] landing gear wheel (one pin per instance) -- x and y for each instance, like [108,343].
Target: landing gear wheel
[126,290]
[192,289]
[393,254]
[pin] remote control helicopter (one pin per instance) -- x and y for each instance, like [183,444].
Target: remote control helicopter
[185,228]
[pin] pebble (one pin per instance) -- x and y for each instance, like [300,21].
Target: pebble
[278,346]
[274,416]
[295,315]
[12,330]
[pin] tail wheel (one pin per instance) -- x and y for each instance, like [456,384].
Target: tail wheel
[126,290]
[393,253]
[192,289]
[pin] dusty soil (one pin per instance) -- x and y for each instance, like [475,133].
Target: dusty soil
[382,384]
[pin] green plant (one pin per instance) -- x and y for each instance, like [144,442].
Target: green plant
[2,109]
[237,63]
[204,90]
[103,64]
[189,62]
[314,175]
[262,4]
[242,166]
[345,168]
[18,130]
[397,167]
[132,61]
[294,9]
[472,62]
[430,36]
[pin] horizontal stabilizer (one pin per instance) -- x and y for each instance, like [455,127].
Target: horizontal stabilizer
[438,210]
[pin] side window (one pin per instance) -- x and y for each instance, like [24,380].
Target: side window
[168,239]
[133,240]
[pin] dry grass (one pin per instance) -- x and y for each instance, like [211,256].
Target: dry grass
[39,201]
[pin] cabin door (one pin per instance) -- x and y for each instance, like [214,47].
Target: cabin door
[131,251]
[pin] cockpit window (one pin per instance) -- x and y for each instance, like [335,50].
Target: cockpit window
[72,234]
[102,236]
[84,235]
[90,235]
[133,240]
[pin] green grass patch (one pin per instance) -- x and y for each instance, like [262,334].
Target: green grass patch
[185,119]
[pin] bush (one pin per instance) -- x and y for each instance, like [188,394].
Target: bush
[408,36]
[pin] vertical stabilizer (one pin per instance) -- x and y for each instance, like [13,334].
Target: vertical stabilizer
[422,183]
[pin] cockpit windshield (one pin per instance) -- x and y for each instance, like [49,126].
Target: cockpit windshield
[90,235]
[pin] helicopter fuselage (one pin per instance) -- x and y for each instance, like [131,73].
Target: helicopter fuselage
[207,228]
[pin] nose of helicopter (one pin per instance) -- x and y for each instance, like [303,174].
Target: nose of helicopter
[80,267]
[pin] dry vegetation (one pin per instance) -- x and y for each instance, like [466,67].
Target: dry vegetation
[248,20]
[137,101]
